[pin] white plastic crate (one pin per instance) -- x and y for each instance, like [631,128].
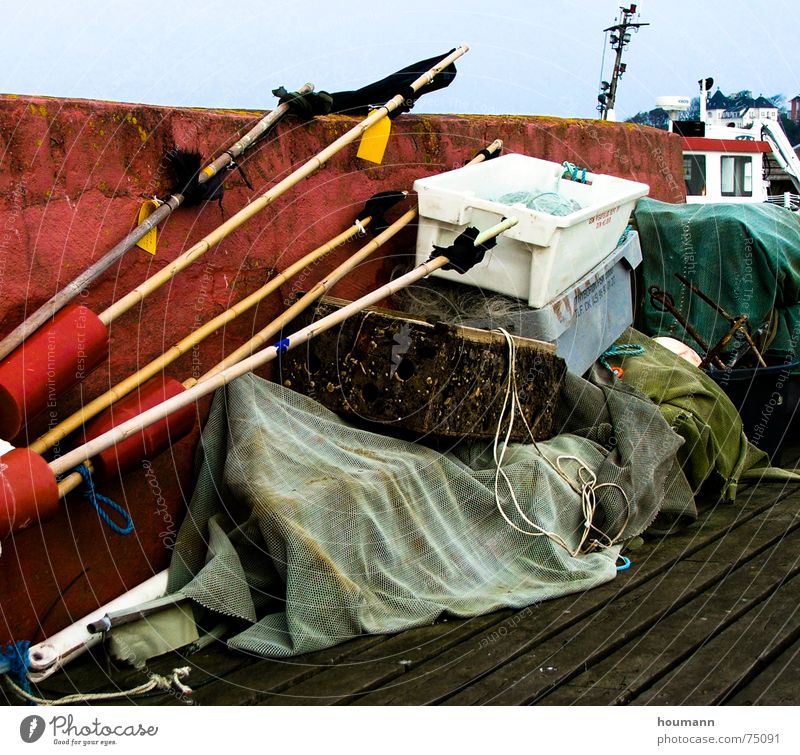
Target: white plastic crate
[544,254]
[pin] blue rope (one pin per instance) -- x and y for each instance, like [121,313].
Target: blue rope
[282,346]
[98,500]
[573,172]
[620,350]
[625,565]
[15,662]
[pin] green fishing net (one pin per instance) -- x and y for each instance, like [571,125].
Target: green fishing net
[306,531]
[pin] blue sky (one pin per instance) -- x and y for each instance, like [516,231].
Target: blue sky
[527,57]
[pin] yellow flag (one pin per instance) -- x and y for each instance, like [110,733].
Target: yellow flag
[373,141]
[148,241]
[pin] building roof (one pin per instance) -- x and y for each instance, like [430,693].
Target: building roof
[718,101]
[737,106]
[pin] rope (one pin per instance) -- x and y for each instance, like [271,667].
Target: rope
[573,172]
[98,500]
[155,682]
[587,487]
[620,350]
[15,661]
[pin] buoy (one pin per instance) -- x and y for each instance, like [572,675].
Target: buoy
[48,363]
[28,490]
[124,456]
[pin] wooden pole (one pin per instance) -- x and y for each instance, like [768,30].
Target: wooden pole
[248,140]
[310,167]
[259,359]
[35,321]
[275,327]
[323,286]
[123,388]
[72,481]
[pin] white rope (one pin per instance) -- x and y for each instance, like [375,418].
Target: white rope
[154,682]
[586,487]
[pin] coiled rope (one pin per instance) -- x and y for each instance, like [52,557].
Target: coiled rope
[155,682]
[586,486]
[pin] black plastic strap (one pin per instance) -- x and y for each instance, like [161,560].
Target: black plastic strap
[486,155]
[462,253]
[377,206]
[305,105]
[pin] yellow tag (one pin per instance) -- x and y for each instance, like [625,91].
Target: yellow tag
[148,241]
[374,140]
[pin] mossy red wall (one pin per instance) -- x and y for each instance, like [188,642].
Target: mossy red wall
[72,176]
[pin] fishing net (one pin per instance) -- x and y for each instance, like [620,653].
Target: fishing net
[716,456]
[549,202]
[309,531]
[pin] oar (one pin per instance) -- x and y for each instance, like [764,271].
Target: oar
[28,483]
[27,383]
[127,455]
[377,204]
[48,310]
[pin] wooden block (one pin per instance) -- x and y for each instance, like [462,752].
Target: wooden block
[409,375]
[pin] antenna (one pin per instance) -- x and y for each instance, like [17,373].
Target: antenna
[620,37]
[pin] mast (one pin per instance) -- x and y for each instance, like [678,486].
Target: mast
[620,37]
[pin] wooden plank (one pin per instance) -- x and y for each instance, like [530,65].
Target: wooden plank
[256,681]
[775,685]
[386,662]
[446,675]
[746,647]
[531,676]
[640,663]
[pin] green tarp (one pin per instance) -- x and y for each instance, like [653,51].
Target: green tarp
[744,256]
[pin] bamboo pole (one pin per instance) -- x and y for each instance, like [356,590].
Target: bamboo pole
[310,167]
[124,387]
[259,359]
[247,141]
[319,290]
[74,480]
[31,324]
[323,286]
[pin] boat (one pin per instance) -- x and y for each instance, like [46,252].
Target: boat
[727,151]
[71,181]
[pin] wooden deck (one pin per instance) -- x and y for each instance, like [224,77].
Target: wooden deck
[709,616]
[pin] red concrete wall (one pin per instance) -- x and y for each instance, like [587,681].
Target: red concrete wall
[72,175]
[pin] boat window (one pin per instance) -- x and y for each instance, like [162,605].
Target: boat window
[737,176]
[694,174]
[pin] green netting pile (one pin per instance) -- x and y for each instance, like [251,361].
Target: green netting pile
[716,456]
[307,531]
[746,257]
